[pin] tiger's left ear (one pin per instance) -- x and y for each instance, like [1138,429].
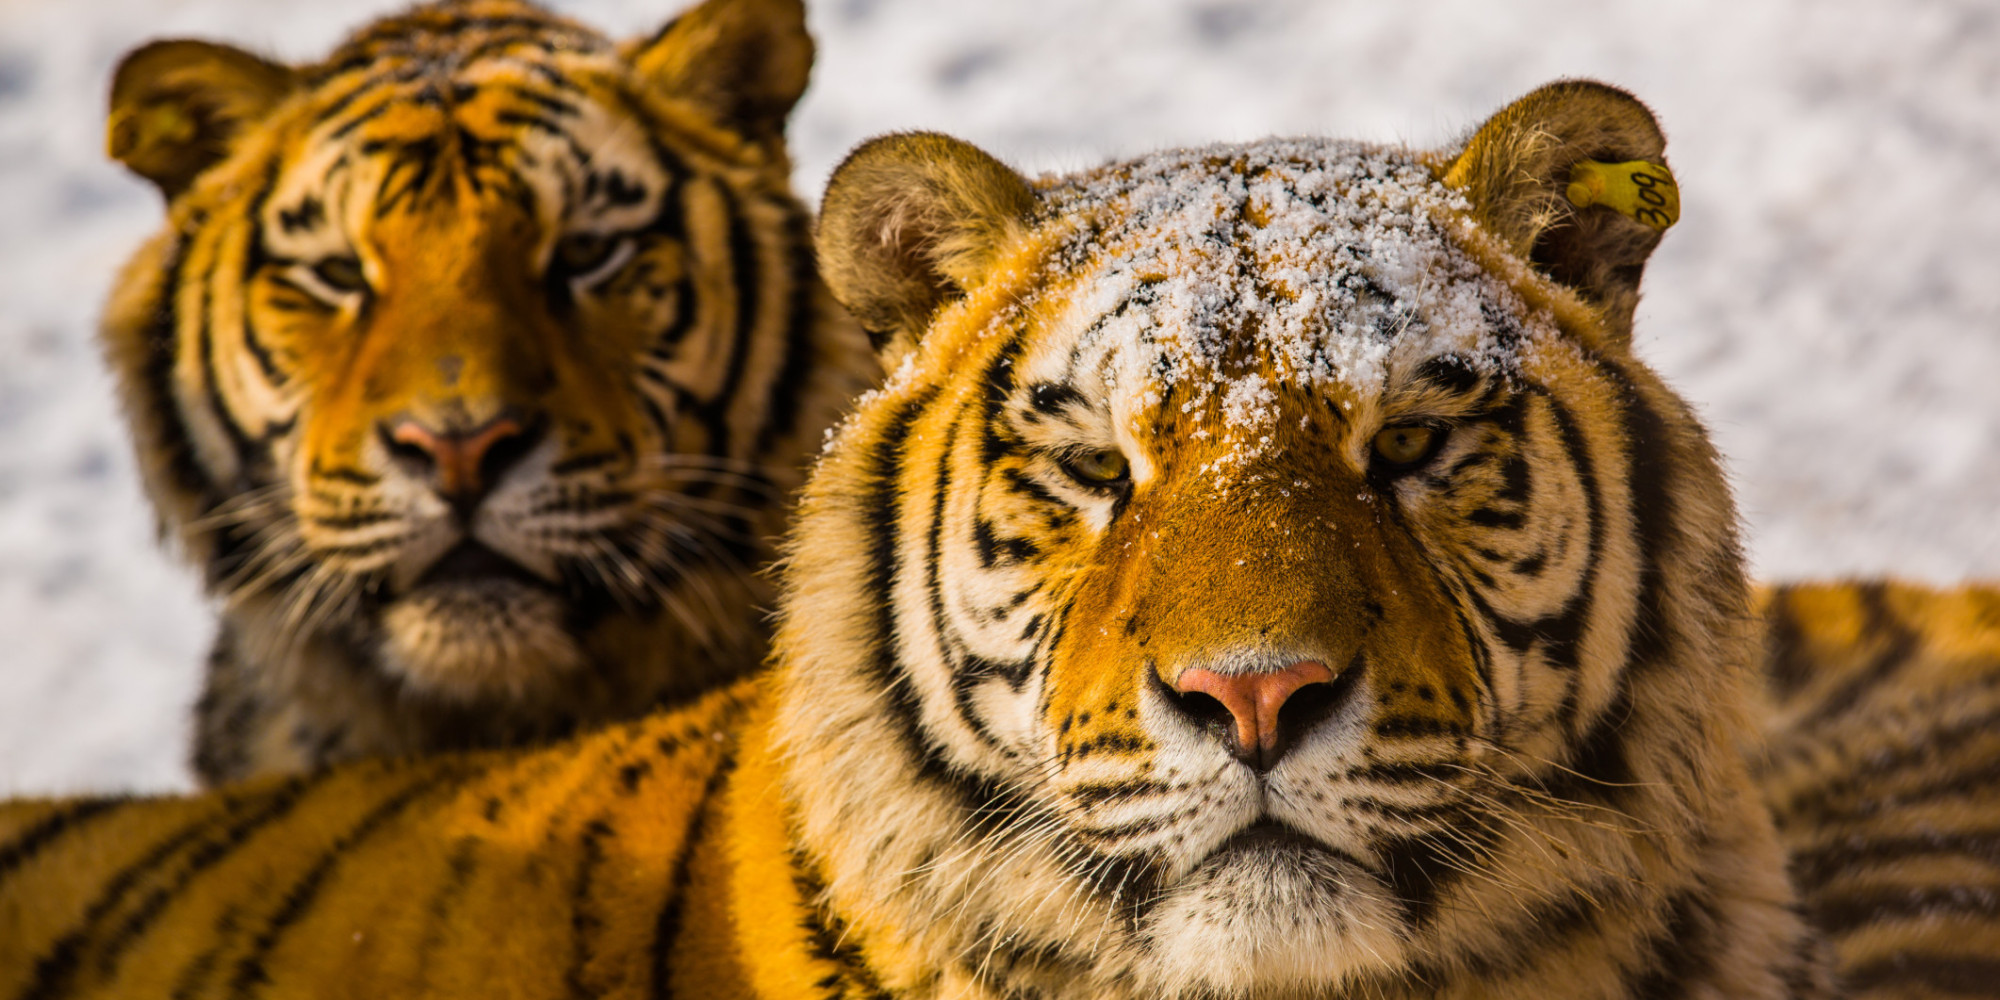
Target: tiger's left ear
[910,222]
[1573,178]
[744,61]
[177,106]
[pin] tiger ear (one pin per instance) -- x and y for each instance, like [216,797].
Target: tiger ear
[744,61]
[1573,178]
[176,106]
[910,221]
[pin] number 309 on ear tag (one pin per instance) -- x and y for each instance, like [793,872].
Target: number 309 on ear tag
[1642,191]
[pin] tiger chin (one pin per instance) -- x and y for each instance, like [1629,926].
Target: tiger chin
[1268,574]
[475,367]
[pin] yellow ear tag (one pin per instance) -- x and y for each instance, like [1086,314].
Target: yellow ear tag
[1642,191]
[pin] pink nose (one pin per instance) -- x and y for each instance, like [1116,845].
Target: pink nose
[461,466]
[1253,701]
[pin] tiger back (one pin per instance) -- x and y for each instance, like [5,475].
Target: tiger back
[474,367]
[1880,766]
[1269,574]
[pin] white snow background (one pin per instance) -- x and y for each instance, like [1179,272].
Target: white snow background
[1830,299]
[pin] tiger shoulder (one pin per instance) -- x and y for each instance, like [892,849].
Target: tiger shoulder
[474,367]
[1269,574]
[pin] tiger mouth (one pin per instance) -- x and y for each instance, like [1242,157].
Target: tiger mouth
[1268,836]
[470,562]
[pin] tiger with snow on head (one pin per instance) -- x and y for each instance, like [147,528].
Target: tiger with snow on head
[1268,574]
[474,367]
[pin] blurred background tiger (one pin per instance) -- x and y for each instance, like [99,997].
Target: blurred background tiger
[474,366]
[1269,573]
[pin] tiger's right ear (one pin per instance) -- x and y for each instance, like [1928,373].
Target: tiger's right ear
[910,221]
[176,106]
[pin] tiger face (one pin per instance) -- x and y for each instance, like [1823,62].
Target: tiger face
[495,348]
[1291,584]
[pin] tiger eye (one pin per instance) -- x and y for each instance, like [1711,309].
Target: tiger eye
[342,274]
[1099,468]
[582,253]
[1405,444]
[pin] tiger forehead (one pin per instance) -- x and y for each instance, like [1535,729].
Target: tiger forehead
[1227,277]
[560,152]
[443,35]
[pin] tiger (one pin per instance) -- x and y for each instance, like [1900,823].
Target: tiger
[1267,572]
[474,367]
[1879,764]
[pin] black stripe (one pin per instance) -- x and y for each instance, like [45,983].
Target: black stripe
[1785,659]
[54,970]
[1518,944]
[552,105]
[1419,868]
[298,899]
[583,924]
[1682,954]
[50,828]
[1652,466]
[783,400]
[1899,642]
[347,127]
[667,929]
[1845,912]
[903,709]
[459,868]
[156,381]
[1811,869]
[998,379]
[246,450]
[1941,743]
[1898,974]
[744,276]
[1565,641]
[827,938]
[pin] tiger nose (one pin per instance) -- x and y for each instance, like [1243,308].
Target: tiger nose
[1250,707]
[462,466]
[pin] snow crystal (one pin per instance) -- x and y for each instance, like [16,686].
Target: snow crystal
[1314,262]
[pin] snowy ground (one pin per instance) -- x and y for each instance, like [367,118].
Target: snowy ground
[1831,298]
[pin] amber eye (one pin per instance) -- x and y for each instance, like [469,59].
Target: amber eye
[587,256]
[1405,445]
[1098,468]
[342,274]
